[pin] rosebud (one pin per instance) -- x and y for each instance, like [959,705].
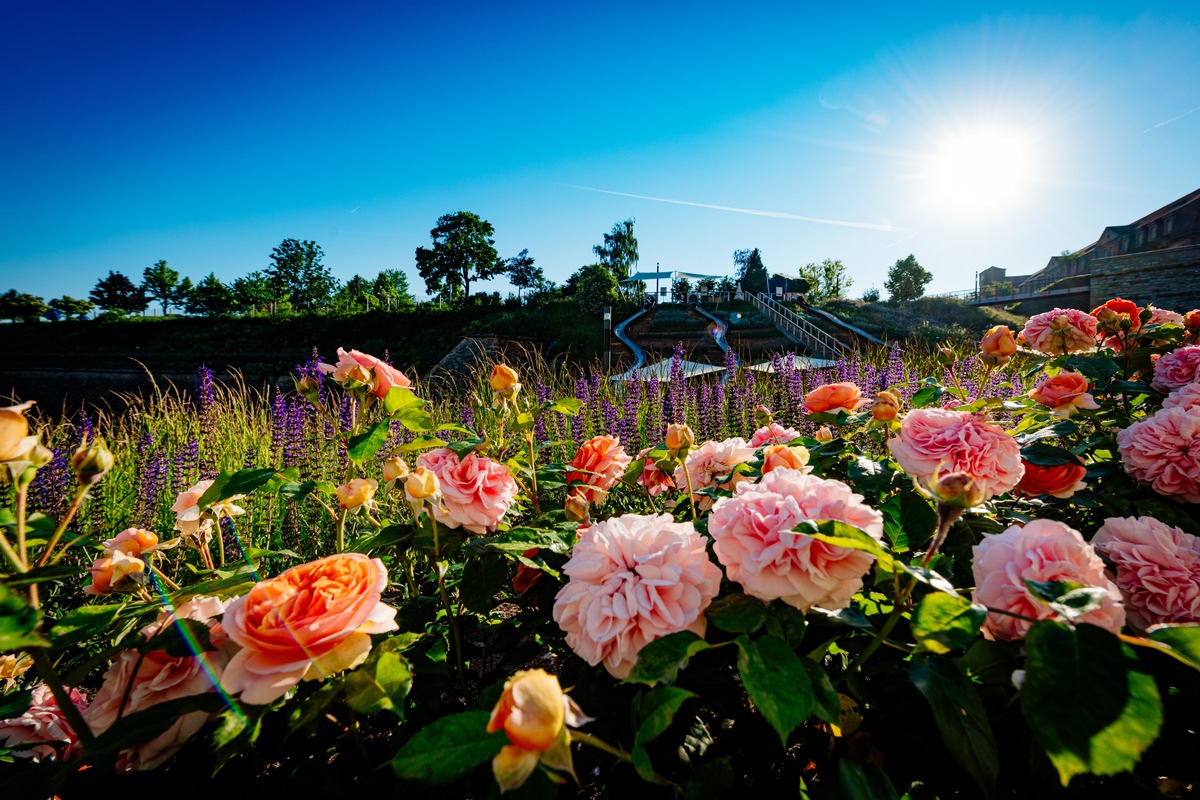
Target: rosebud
[998,341]
[824,435]
[533,712]
[504,381]
[886,408]
[946,356]
[356,493]
[780,456]
[394,469]
[91,461]
[763,416]
[679,437]
[114,570]
[308,387]
[358,374]
[1144,315]
[576,508]
[956,489]
[421,486]
[991,361]
[1106,317]
[1191,320]
[15,441]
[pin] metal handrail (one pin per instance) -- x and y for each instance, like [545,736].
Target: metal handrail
[788,321]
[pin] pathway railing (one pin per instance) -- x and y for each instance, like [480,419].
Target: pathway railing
[818,342]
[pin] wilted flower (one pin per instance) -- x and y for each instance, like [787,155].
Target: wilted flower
[13,666]
[367,370]
[191,520]
[114,571]
[711,465]
[356,494]
[824,435]
[773,433]
[576,507]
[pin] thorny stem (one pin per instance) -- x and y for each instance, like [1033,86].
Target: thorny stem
[80,493]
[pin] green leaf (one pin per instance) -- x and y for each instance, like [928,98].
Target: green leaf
[961,718]
[1098,367]
[1047,455]
[18,622]
[307,711]
[1183,641]
[991,662]
[380,684]
[421,443]
[786,623]
[711,780]
[737,613]
[662,659]
[367,443]
[55,572]
[826,704]
[389,536]
[398,399]
[181,639]
[440,544]
[483,576]
[416,420]
[767,665]
[297,491]
[14,704]
[567,406]
[1092,705]
[864,781]
[82,624]
[927,396]
[1070,599]
[239,729]
[839,533]
[943,622]
[868,475]
[449,748]
[231,484]
[656,711]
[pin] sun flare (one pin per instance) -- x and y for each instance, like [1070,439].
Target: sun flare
[982,171]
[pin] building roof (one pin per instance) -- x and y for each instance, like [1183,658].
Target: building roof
[1169,207]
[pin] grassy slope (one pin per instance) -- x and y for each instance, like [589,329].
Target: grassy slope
[930,320]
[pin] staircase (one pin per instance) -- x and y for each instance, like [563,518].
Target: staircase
[819,343]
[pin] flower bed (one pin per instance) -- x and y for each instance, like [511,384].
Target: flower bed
[984,582]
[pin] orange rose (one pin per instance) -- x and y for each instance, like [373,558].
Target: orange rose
[115,571]
[1066,393]
[832,396]
[394,469]
[824,435]
[998,341]
[886,408]
[780,456]
[599,463]
[679,437]
[504,381]
[310,621]
[15,440]
[1123,309]
[534,713]
[1061,480]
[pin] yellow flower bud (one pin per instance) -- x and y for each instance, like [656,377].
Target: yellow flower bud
[91,461]
[824,435]
[394,469]
[356,493]
[886,408]
[679,437]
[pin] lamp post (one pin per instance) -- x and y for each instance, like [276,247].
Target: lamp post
[607,338]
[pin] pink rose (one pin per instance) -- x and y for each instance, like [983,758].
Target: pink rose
[136,682]
[634,579]
[42,726]
[1164,451]
[1177,368]
[755,542]
[935,440]
[654,479]
[1061,330]
[306,623]
[599,462]
[711,462]
[1158,569]
[773,434]
[476,491]
[386,376]
[1066,393]
[1043,550]
[1184,397]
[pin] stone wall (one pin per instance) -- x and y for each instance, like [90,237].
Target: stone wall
[1167,278]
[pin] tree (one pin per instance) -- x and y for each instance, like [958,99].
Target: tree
[706,286]
[161,283]
[593,287]
[463,250]
[827,279]
[253,292]
[210,298]
[118,294]
[183,292]
[71,307]
[391,288]
[871,295]
[296,273]
[906,279]
[751,272]
[620,249]
[522,273]
[680,289]
[357,295]
[16,306]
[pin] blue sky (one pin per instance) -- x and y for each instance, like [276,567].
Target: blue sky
[206,133]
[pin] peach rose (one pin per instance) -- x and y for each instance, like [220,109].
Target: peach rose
[824,435]
[774,433]
[778,456]
[114,572]
[932,441]
[1061,480]
[38,733]
[1042,550]
[654,479]
[533,712]
[307,623]
[137,681]
[394,469]
[421,488]
[132,541]
[679,437]
[886,407]
[754,539]
[504,382]
[834,396]
[190,520]
[1164,452]
[599,463]
[15,441]
[708,464]
[356,494]
[476,491]
[634,579]
[1066,393]
[998,342]
[1177,368]
[385,376]
[1060,331]
[1158,569]
[1184,397]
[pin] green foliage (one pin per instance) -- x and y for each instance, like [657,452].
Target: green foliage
[943,622]
[593,287]
[117,293]
[751,272]
[463,250]
[21,306]
[448,749]
[906,280]
[619,252]
[69,307]
[961,718]
[210,298]
[826,280]
[297,274]
[161,283]
[766,664]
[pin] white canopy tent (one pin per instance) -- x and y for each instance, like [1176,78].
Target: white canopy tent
[668,275]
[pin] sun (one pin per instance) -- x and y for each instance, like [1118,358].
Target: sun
[982,171]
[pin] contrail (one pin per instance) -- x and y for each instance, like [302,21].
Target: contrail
[1172,119]
[871,226]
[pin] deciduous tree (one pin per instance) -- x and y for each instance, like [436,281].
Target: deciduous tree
[116,293]
[522,273]
[620,249]
[391,287]
[253,292]
[463,250]
[210,298]
[751,272]
[71,307]
[297,273]
[906,279]
[161,283]
[22,306]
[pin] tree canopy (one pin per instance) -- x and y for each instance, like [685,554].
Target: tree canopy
[906,279]
[522,273]
[751,272]
[211,298]
[593,287]
[827,279]
[463,250]
[619,252]
[296,273]
[161,283]
[116,293]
